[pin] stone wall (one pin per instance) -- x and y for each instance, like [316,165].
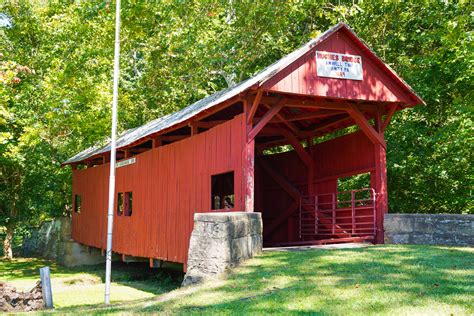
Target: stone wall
[429,229]
[53,240]
[220,241]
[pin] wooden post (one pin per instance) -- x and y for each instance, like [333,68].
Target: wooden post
[248,162]
[126,153]
[380,181]
[311,167]
[194,129]
[46,287]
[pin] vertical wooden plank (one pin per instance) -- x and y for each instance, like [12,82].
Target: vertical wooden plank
[167,212]
[163,179]
[248,164]
[183,199]
[146,218]
[154,203]
[175,198]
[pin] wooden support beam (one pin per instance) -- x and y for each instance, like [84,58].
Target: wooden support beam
[299,149]
[283,120]
[156,141]
[126,153]
[248,165]
[272,144]
[318,103]
[280,180]
[254,107]
[310,115]
[311,167]
[283,217]
[265,119]
[210,124]
[194,128]
[297,196]
[389,115]
[364,125]
[138,150]
[379,181]
[173,138]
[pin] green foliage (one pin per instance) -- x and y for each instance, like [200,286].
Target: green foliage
[429,147]
[56,69]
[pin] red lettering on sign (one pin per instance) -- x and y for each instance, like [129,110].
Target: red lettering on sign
[328,56]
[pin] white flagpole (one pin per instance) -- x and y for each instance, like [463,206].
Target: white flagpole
[110,212]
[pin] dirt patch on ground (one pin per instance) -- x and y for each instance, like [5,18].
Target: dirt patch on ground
[12,300]
[82,280]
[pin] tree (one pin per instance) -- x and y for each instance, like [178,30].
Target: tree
[174,54]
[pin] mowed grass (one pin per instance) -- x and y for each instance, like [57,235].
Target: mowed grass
[385,279]
[85,285]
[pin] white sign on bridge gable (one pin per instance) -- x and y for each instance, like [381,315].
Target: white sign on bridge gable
[340,66]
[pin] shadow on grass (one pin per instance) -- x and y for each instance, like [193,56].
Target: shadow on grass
[379,279]
[137,274]
[368,280]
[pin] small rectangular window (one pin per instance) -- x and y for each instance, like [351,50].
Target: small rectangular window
[77,203]
[124,203]
[120,204]
[222,191]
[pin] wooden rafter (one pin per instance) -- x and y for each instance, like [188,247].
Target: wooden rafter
[173,138]
[126,153]
[270,228]
[207,125]
[310,115]
[292,140]
[389,115]
[194,128]
[317,103]
[254,107]
[299,149]
[374,136]
[283,120]
[156,141]
[265,119]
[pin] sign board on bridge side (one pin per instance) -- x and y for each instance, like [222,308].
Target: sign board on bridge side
[125,162]
[340,66]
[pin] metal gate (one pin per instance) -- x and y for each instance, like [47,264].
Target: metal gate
[340,214]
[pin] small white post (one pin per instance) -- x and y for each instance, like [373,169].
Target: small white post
[46,287]
[110,212]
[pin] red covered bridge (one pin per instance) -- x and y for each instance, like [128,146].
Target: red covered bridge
[220,154]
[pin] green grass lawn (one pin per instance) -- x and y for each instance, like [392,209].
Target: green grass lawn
[374,280]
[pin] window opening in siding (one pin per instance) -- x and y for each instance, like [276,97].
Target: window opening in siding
[124,203]
[120,204]
[222,191]
[77,203]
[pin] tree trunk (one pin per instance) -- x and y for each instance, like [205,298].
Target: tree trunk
[7,242]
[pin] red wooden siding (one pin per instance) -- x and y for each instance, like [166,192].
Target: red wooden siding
[169,185]
[301,77]
[340,157]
